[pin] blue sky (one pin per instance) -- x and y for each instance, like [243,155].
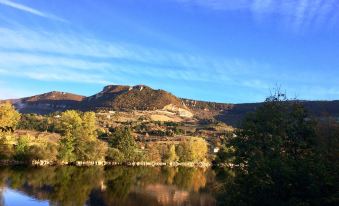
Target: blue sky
[215,50]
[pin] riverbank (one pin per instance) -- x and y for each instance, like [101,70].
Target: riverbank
[105,163]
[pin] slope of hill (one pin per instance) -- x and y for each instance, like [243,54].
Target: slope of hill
[48,102]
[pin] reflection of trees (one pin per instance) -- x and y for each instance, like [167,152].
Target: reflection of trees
[2,201]
[102,186]
[63,186]
[190,179]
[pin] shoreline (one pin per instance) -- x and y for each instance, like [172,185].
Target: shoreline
[42,163]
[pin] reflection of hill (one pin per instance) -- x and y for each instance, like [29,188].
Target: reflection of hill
[167,195]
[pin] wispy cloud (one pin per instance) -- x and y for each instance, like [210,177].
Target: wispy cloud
[30,10]
[294,14]
[61,57]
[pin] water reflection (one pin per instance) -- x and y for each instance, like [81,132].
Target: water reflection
[108,186]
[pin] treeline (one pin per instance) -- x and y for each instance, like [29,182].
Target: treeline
[79,141]
[281,156]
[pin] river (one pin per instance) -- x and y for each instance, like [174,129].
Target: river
[119,185]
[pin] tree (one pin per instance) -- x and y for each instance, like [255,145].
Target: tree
[9,117]
[122,140]
[71,123]
[93,150]
[199,148]
[89,126]
[114,155]
[184,151]
[22,148]
[171,155]
[275,158]
[79,140]
[195,149]
[67,148]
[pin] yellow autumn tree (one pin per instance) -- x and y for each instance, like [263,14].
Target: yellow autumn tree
[195,149]
[9,117]
[89,126]
[199,148]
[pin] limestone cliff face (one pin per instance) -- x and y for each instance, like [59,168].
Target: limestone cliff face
[182,112]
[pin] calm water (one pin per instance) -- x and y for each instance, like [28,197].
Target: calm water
[106,186]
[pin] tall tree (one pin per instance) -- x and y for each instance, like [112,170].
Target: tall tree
[89,126]
[275,157]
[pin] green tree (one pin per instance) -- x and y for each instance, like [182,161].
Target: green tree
[93,150]
[79,140]
[123,140]
[67,148]
[275,158]
[22,148]
[114,155]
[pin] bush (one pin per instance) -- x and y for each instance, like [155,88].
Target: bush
[22,148]
[114,155]
[47,151]
[91,151]
[6,151]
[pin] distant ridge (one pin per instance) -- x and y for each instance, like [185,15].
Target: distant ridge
[47,102]
[142,97]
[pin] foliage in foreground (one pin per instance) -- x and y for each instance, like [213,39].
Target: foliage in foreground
[276,159]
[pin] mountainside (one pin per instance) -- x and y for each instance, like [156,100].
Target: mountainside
[144,98]
[47,102]
[140,97]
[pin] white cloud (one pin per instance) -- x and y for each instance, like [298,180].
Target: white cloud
[30,10]
[70,57]
[22,60]
[294,14]
[24,48]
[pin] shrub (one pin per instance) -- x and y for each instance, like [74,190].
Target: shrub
[114,155]
[22,148]
[46,151]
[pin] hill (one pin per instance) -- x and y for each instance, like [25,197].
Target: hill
[47,102]
[125,98]
[144,98]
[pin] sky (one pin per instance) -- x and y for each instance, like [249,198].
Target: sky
[231,51]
